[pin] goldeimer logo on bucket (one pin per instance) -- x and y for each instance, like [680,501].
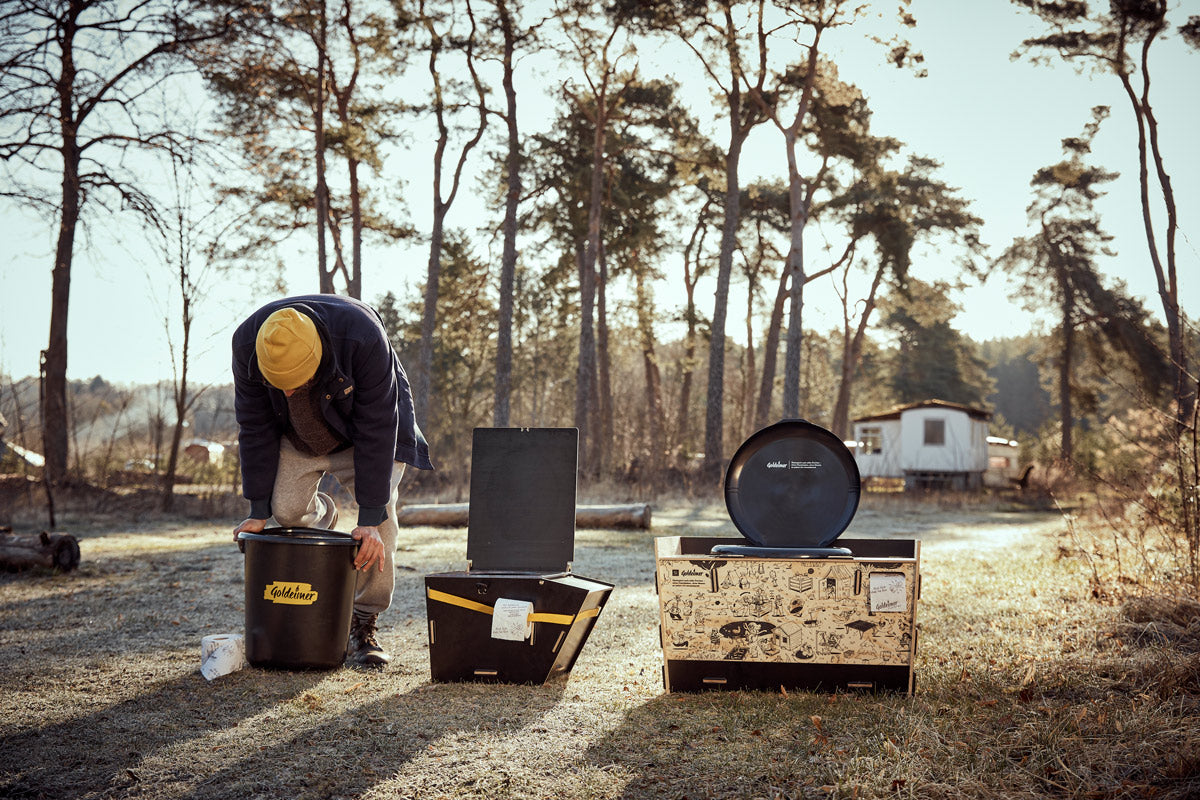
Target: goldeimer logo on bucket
[293,594]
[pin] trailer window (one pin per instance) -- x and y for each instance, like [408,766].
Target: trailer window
[935,431]
[872,440]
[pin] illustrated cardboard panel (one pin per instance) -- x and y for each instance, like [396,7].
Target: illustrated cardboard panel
[809,611]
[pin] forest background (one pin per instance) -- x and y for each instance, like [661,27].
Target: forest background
[608,266]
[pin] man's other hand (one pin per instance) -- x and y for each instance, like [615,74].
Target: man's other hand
[249,526]
[370,547]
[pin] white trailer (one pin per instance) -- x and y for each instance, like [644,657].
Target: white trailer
[932,444]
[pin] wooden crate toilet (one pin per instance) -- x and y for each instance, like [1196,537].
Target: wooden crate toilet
[740,622]
[517,614]
[784,606]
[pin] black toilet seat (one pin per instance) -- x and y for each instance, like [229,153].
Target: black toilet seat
[755,551]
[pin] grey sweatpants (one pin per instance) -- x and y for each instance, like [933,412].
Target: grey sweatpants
[295,502]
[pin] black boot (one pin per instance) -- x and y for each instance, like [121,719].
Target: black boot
[363,648]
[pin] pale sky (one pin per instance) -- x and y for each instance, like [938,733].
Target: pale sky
[990,121]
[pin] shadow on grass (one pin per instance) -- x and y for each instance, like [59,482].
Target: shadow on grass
[86,754]
[367,745]
[733,744]
[941,744]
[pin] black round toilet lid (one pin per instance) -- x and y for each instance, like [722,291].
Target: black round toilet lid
[792,484]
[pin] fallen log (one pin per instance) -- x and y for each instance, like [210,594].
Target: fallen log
[448,515]
[51,550]
[629,516]
[454,515]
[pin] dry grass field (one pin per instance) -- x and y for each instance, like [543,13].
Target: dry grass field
[1029,685]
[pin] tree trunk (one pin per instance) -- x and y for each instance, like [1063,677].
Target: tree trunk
[1066,413]
[508,264]
[795,267]
[168,482]
[604,394]
[714,417]
[55,420]
[750,373]
[840,421]
[585,370]
[586,390]
[1166,276]
[354,282]
[181,404]
[766,391]
[423,380]
[55,417]
[684,427]
[655,419]
[342,96]
[322,195]
[690,277]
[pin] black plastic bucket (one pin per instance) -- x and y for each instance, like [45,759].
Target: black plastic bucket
[299,596]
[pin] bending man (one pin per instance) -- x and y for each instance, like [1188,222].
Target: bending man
[319,389]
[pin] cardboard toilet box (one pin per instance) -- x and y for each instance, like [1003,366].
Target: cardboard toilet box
[740,622]
[517,614]
[788,605]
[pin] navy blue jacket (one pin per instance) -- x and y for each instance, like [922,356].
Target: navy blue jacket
[364,396]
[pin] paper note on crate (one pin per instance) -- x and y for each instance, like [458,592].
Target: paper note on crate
[888,592]
[222,654]
[510,620]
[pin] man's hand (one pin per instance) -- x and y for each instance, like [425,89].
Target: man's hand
[249,526]
[370,547]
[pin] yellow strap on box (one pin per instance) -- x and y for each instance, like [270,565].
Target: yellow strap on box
[471,605]
[454,600]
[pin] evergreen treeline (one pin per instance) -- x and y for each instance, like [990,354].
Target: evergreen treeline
[119,429]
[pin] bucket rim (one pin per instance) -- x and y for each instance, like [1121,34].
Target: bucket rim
[298,535]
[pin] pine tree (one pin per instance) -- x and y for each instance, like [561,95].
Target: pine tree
[932,360]
[1060,264]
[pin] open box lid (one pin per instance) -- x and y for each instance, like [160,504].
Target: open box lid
[522,504]
[792,484]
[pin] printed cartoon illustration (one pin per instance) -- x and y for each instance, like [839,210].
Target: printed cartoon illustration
[788,610]
[677,609]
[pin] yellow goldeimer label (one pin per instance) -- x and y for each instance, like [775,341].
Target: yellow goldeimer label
[292,594]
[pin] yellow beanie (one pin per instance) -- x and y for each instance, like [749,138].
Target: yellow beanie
[288,348]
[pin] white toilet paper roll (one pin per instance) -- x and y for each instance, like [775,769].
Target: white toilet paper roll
[510,620]
[210,643]
[222,654]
